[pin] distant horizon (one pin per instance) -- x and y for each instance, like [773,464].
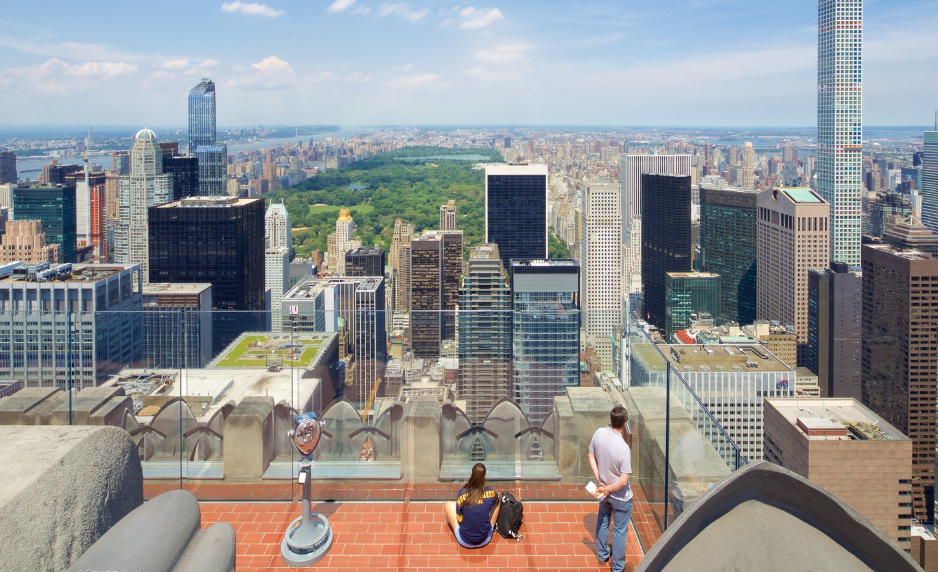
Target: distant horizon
[444,126]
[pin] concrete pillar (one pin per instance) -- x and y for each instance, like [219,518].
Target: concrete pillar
[249,439]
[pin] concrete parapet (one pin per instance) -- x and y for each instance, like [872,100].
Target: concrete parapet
[164,535]
[249,441]
[579,413]
[31,405]
[63,487]
[93,406]
[420,440]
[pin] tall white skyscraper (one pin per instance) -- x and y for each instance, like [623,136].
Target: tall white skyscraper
[344,229]
[930,180]
[146,186]
[277,227]
[602,286]
[749,166]
[276,279]
[840,122]
[632,167]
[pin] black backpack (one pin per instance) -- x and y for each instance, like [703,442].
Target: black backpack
[510,517]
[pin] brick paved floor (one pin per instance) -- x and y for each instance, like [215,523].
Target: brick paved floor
[413,536]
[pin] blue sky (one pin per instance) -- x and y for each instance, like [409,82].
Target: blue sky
[602,62]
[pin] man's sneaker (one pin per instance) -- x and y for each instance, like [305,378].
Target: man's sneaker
[603,561]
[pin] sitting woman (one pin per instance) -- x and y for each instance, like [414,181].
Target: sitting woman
[472,516]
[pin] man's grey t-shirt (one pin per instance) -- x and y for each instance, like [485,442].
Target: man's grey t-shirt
[613,458]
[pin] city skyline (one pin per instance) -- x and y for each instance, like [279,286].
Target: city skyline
[534,62]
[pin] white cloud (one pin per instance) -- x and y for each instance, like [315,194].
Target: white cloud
[416,79]
[474,18]
[504,53]
[340,5]
[272,65]
[407,67]
[175,64]
[403,10]
[357,77]
[251,9]
[362,10]
[101,69]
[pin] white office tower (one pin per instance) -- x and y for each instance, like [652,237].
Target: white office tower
[277,227]
[632,167]
[749,166]
[930,180]
[344,229]
[602,280]
[276,279]
[840,122]
[146,186]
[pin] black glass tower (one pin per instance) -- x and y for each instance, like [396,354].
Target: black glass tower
[55,207]
[7,167]
[185,172]
[218,240]
[666,238]
[516,210]
[728,248]
[361,262]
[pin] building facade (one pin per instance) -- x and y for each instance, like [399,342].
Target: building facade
[930,180]
[687,293]
[145,187]
[792,238]
[218,240]
[484,333]
[55,207]
[8,167]
[843,446]
[184,172]
[364,262]
[202,115]
[213,169]
[69,325]
[900,354]
[666,239]
[276,281]
[435,262]
[516,210]
[24,241]
[601,288]
[177,325]
[835,304]
[728,248]
[545,333]
[448,216]
[840,123]
[278,228]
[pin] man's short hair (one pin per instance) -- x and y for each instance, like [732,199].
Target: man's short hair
[618,416]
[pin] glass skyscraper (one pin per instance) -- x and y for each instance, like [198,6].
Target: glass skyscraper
[728,248]
[201,115]
[840,122]
[545,333]
[55,207]
[689,293]
[666,239]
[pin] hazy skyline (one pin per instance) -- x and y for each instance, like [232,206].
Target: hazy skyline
[703,63]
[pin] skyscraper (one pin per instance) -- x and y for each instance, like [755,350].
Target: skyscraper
[930,180]
[24,241]
[177,325]
[344,229]
[364,262]
[835,304]
[632,167]
[435,261]
[184,171]
[202,115]
[484,333]
[277,227]
[448,216]
[145,187]
[8,167]
[545,333]
[792,238]
[218,240]
[900,353]
[749,166]
[55,207]
[601,245]
[213,169]
[728,248]
[687,293]
[399,260]
[840,122]
[516,210]
[276,280]
[89,210]
[666,240]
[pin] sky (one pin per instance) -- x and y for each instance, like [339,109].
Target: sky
[707,63]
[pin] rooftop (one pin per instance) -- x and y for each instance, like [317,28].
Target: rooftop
[193,202]
[723,357]
[158,288]
[802,195]
[70,273]
[264,350]
[850,418]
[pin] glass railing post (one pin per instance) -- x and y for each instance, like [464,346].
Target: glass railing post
[667,443]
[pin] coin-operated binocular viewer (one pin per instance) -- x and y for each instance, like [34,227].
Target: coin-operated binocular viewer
[309,537]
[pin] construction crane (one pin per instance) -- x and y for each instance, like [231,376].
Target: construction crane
[371,399]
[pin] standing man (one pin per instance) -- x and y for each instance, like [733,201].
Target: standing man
[611,461]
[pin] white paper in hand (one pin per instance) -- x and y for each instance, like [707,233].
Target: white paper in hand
[591,488]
